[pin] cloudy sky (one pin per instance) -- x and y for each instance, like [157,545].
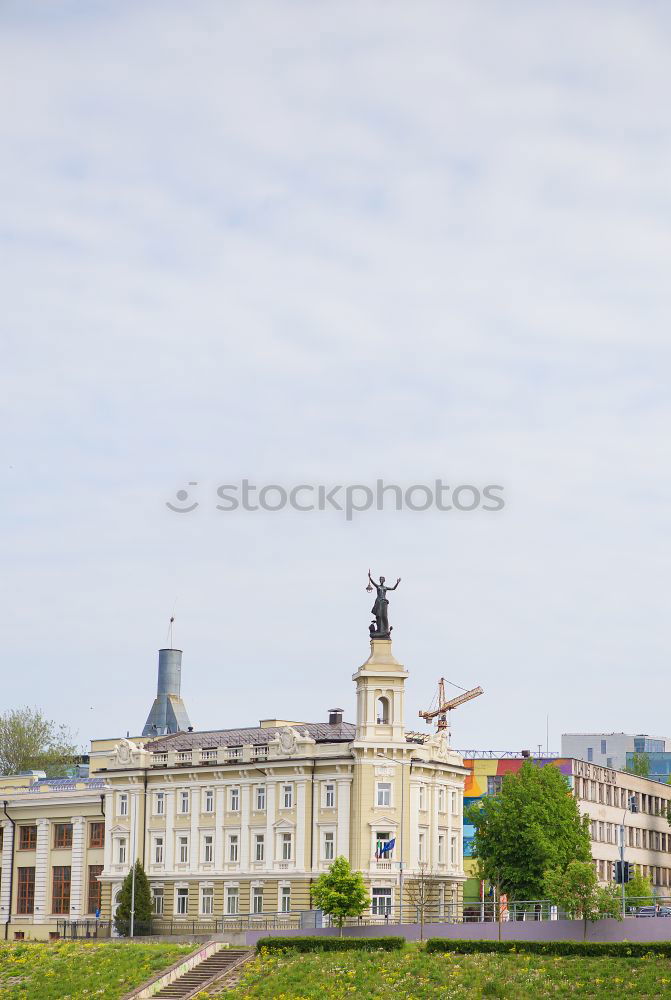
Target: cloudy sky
[304,242]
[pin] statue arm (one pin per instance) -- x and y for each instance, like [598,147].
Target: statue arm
[372,580]
[395,585]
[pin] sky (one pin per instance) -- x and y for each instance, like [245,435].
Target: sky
[299,242]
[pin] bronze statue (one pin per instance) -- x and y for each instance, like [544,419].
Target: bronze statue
[380,628]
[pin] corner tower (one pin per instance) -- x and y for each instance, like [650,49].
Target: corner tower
[380,696]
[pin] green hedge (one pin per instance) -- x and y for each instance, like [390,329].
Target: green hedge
[330,943]
[611,949]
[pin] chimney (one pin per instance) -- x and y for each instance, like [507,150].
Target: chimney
[526,753]
[168,713]
[335,716]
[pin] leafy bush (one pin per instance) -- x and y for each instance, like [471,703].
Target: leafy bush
[593,949]
[305,944]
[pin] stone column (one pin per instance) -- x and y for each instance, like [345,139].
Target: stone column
[300,826]
[194,853]
[7,844]
[316,846]
[41,870]
[109,819]
[413,852]
[342,835]
[169,831]
[77,877]
[244,826]
[219,845]
[271,790]
[433,805]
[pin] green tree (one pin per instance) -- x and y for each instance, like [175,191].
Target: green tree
[639,890]
[142,903]
[640,764]
[576,890]
[31,742]
[533,825]
[340,892]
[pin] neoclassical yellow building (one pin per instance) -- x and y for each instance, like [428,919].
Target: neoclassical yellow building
[242,821]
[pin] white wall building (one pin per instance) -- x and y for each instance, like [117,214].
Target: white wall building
[610,749]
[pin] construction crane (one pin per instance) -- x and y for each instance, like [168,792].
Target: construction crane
[444,706]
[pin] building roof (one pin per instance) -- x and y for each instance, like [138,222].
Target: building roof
[321,732]
[61,784]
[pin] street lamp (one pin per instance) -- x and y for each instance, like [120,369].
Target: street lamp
[407,763]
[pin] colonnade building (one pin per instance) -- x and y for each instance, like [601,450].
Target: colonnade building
[242,821]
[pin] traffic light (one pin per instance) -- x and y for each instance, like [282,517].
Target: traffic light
[623,872]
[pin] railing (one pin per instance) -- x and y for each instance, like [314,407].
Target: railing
[183,757]
[159,759]
[234,753]
[207,755]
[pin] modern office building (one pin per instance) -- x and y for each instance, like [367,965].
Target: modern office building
[611,749]
[603,794]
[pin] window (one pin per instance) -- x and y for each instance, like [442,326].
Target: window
[286,847]
[60,895]
[121,850]
[329,846]
[422,796]
[603,746]
[123,804]
[382,715]
[422,848]
[259,847]
[441,800]
[329,796]
[95,888]
[96,834]
[257,899]
[159,804]
[27,839]
[207,900]
[453,850]
[182,901]
[157,900]
[183,844]
[384,793]
[382,839]
[441,848]
[287,796]
[63,835]
[494,784]
[232,899]
[235,800]
[590,753]
[454,802]
[285,898]
[208,848]
[260,797]
[609,761]
[25,893]
[209,801]
[233,847]
[184,801]
[381,902]
[158,850]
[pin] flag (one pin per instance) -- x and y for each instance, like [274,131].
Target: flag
[389,846]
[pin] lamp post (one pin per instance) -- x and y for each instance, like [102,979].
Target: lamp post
[402,763]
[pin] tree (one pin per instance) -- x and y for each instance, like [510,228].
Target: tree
[533,825]
[639,889]
[340,892]
[142,917]
[576,890]
[422,893]
[31,742]
[640,764]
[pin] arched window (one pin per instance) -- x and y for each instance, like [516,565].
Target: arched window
[382,711]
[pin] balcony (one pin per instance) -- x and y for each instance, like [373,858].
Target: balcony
[234,753]
[206,756]
[183,757]
[159,759]
[382,866]
[260,753]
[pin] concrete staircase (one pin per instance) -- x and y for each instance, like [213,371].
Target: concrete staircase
[202,975]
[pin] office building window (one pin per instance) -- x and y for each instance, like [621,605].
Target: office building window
[62,834]
[158,850]
[184,799]
[208,848]
[590,753]
[95,888]
[182,901]
[257,899]
[494,784]
[329,846]
[121,850]
[287,796]
[453,850]
[260,797]
[384,793]
[235,800]
[232,899]
[329,796]
[159,803]
[285,898]
[208,806]
[25,891]
[286,847]
[97,834]
[603,746]
[207,900]
[27,839]
[157,900]
[381,902]
[183,850]
[123,804]
[60,895]
[233,847]
[259,846]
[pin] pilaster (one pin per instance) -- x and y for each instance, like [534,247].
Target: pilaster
[170,830]
[271,791]
[7,845]
[343,801]
[41,869]
[300,825]
[77,880]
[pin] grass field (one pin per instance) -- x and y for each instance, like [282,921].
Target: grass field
[414,975]
[73,970]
